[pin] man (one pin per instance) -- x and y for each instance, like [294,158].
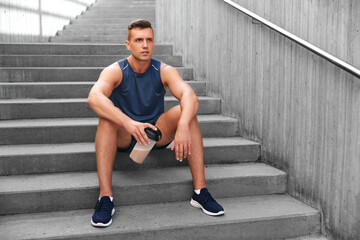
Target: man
[128,97]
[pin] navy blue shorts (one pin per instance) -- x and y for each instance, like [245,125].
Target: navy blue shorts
[133,140]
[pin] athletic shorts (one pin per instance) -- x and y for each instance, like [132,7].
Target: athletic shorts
[133,140]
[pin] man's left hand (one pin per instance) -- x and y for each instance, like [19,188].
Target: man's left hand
[182,142]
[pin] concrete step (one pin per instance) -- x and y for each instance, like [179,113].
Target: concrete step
[66,89]
[121,3]
[70,191]
[252,218]
[98,26]
[74,60]
[134,15]
[37,131]
[63,74]
[120,9]
[111,7]
[73,49]
[91,32]
[90,38]
[74,157]
[123,22]
[12,109]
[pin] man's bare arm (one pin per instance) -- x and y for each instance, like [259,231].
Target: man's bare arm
[189,107]
[99,101]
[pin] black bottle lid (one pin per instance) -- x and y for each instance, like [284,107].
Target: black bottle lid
[152,134]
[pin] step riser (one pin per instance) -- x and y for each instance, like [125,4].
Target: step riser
[86,161]
[90,39]
[111,7]
[60,134]
[74,61]
[120,10]
[63,74]
[81,90]
[12,111]
[104,32]
[66,199]
[96,27]
[68,49]
[120,22]
[134,15]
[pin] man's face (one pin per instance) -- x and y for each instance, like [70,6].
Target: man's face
[141,43]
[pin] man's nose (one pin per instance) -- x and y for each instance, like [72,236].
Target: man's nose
[145,44]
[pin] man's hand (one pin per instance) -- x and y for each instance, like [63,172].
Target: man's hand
[182,142]
[137,130]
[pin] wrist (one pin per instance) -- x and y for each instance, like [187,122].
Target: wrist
[183,123]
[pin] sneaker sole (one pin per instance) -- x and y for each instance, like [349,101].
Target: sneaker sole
[198,205]
[103,224]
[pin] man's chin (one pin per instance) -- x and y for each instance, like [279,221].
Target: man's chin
[143,58]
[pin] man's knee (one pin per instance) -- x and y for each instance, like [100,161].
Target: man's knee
[107,124]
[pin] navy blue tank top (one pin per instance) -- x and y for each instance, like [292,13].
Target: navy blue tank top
[140,95]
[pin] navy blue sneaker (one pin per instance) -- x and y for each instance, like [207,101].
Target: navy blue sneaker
[104,209]
[207,203]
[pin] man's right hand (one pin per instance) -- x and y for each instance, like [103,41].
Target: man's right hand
[136,129]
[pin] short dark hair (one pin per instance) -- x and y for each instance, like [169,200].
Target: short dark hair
[138,23]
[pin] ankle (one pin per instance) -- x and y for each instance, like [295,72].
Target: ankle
[105,194]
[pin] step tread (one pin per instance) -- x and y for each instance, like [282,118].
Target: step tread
[78,100]
[71,44]
[65,83]
[53,122]
[85,180]
[152,217]
[67,68]
[67,148]
[78,55]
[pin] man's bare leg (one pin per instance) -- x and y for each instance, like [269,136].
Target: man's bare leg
[109,136]
[167,123]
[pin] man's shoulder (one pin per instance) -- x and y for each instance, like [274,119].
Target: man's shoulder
[114,67]
[167,69]
[113,72]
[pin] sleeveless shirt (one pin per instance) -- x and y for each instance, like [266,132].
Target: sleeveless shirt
[140,95]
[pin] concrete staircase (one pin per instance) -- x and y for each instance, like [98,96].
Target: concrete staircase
[48,179]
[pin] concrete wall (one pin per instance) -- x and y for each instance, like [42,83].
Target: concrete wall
[36,20]
[302,109]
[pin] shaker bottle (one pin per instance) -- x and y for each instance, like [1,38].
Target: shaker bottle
[139,152]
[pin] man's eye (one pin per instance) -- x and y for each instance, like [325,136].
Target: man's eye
[149,40]
[138,40]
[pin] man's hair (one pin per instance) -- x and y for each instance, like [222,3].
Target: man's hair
[138,23]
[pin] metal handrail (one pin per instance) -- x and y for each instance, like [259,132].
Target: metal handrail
[331,58]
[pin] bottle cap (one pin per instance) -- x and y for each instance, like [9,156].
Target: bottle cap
[152,134]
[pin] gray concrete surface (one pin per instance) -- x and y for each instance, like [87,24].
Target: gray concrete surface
[75,157]
[43,90]
[70,191]
[74,60]
[251,218]
[77,107]
[63,74]
[36,131]
[74,49]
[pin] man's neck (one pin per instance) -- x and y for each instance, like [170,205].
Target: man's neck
[138,65]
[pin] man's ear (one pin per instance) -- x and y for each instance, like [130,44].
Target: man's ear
[127,44]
